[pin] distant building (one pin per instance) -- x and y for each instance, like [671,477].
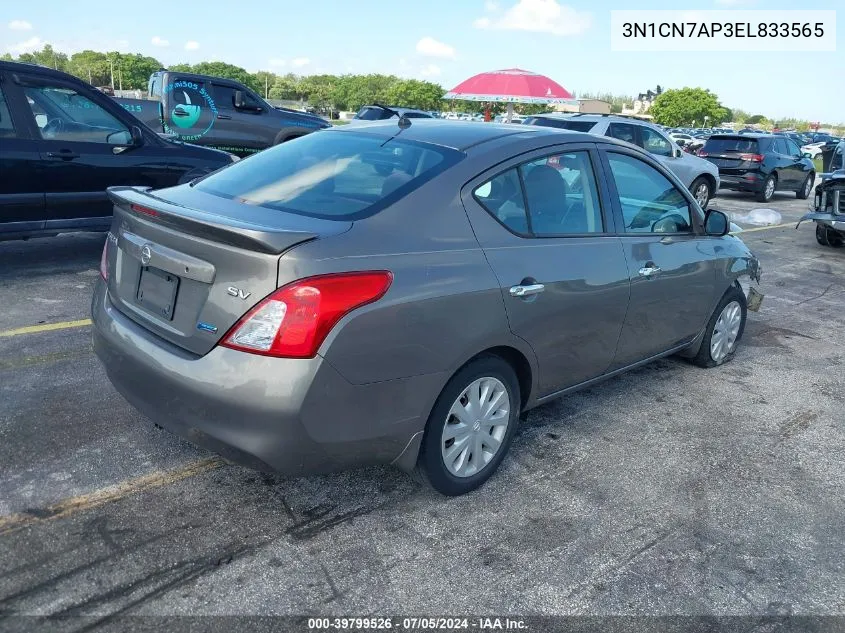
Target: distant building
[642,103]
[585,106]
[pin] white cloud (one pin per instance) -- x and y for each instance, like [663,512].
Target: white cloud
[192,45]
[299,62]
[277,63]
[430,71]
[27,46]
[539,16]
[430,47]
[159,41]
[20,25]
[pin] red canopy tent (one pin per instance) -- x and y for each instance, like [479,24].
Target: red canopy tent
[512,85]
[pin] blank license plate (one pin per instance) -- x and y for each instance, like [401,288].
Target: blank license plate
[157,291]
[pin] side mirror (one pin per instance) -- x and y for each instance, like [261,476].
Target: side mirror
[239,99]
[716,223]
[807,155]
[137,136]
[677,152]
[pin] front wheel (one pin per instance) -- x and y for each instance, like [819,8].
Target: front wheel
[701,191]
[724,330]
[829,237]
[470,427]
[768,190]
[806,187]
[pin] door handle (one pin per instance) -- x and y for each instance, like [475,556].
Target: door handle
[223,116]
[65,154]
[527,291]
[648,271]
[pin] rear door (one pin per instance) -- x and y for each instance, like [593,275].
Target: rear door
[541,220]
[83,149]
[671,263]
[799,167]
[789,167]
[21,192]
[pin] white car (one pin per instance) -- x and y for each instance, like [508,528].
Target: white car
[700,176]
[813,149]
[680,138]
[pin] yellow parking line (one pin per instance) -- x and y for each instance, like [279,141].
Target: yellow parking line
[81,503]
[46,327]
[766,228]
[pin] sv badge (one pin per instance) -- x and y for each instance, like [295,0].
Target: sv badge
[237,292]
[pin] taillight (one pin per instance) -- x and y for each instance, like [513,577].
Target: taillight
[137,208]
[104,260]
[295,319]
[754,158]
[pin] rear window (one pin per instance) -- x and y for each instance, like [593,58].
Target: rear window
[738,145]
[575,126]
[373,114]
[331,175]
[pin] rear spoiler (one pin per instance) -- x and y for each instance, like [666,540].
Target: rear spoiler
[233,232]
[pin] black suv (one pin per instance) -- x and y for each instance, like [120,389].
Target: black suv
[760,163]
[62,142]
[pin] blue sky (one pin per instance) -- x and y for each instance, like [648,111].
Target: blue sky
[441,40]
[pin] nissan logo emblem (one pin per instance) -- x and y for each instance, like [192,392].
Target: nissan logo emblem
[146,254]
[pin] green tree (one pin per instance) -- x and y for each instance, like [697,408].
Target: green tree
[7,57]
[90,66]
[739,116]
[181,68]
[227,71]
[47,56]
[756,119]
[285,87]
[134,71]
[264,80]
[685,105]
[413,93]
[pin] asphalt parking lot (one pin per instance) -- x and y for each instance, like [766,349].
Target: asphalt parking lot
[671,490]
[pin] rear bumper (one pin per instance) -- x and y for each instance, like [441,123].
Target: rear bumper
[751,181]
[289,415]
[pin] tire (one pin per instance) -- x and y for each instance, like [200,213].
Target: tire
[705,356]
[806,187]
[821,235]
[701,189]
[769,186]
[289,133]
[490,371]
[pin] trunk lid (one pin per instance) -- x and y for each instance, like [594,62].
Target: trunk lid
[186,264]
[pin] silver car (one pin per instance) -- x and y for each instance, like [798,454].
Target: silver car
[401,294]
[701,177]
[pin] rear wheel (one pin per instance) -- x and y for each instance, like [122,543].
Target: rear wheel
[821,235]
[806,187]
[701,191]
[828,237]
[768,190]
[724,330]
[470,427]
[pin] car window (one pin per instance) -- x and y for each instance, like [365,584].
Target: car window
[654,142]
[63,114]
[7,128]
[838,160]
[623,131]
[575,126]
[793,148]
[224,97]
[781,146]
[502,198]
[562,195]
[731,145]
[650,202]
[373,114]
[332,175]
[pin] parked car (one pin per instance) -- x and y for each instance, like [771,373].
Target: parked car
[217,112]
[813,149]
[386,294]
[64,142]
[828,209]
[761,164]
[378,112]
[698,175]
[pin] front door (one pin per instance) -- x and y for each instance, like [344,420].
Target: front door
[21,195]
[83,150]
[239,130]
[562,273]
[671,263]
